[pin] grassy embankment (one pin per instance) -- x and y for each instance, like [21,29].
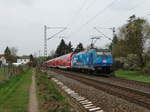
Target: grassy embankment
[133,75]
[14,93]
[2,74]
[50,97]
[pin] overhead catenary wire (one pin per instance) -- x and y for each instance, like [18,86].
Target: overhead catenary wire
[102,33]
[130,9]
[100,12]
[95,16]
[91,4]
[76,16]
[77,13]
[135,6]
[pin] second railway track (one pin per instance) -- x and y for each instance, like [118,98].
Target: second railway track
[131,95]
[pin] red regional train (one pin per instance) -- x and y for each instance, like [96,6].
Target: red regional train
[93,60]
[63,62]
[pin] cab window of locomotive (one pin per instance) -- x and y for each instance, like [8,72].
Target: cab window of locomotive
[100,53]
[107,53]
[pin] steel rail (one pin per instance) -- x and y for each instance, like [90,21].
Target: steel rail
[131,95]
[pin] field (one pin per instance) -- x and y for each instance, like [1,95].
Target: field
[15,93]
[133,75]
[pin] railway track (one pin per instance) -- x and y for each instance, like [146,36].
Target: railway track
[131,95]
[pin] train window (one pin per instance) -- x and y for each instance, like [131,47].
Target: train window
[107,53]
[103,53]
[100,53]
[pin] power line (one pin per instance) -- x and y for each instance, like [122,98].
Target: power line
[91,4]
[135,6]
[99,13]
[77,13]
[112,29]
[131,9]
[45,36]
[63,29]
[102,33]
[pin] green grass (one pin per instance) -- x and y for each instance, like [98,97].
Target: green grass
[133,75]
[1,71]
[14,94]
[49,94]
[2,74]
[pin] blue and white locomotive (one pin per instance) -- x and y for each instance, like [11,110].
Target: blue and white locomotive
[97,60]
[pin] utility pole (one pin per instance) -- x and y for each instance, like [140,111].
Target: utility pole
[113,30]
[39,53]
[46,39]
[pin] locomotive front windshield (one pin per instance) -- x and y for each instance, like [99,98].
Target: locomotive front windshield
[103,53]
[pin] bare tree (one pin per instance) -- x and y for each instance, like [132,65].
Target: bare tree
[13,51]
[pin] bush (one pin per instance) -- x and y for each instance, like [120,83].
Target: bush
[131,62]
[146,69]
[118,63]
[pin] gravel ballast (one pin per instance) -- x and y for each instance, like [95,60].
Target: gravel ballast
[107,102]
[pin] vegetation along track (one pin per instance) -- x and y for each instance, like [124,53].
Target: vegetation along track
[132,95]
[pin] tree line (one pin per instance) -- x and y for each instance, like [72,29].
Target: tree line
[131,45]
[64,48]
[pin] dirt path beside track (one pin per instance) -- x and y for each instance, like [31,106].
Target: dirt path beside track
[33,103]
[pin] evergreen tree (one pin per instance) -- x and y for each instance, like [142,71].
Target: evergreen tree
[70,49]
[79,48]
[31,58]
[7,51]
[33,61]
[114,42]
[7,54]
[61,49]
[10,58]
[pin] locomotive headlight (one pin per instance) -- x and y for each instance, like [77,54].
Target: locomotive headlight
[104,61]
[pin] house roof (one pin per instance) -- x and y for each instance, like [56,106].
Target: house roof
[23,57]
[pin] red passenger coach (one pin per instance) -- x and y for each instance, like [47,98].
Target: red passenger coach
[51,63]
[61,62]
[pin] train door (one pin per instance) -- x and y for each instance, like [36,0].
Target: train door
[90,59]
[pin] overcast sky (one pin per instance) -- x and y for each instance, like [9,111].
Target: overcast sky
[22,21]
